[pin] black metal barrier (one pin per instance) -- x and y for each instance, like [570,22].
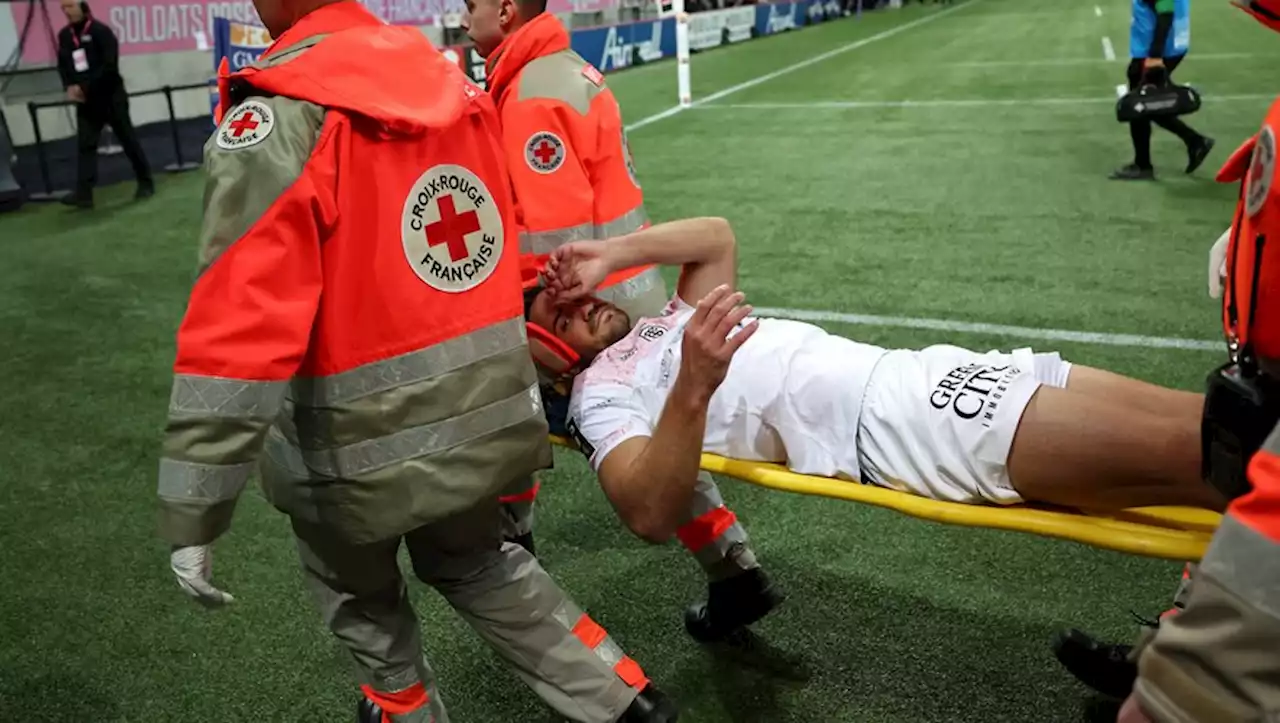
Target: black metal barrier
[177,167]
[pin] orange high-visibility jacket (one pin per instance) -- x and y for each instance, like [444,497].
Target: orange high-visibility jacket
[571,167]
[1251,299]
[1219,658]
[358,311]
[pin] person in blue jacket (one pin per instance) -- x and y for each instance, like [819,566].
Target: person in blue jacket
[1159,38]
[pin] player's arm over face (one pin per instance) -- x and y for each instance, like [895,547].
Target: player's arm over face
[704,248]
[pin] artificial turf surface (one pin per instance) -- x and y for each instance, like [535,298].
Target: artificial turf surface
[978,212]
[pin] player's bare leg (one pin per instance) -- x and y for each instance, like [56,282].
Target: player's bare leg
[1136,394]
[1085,451]
[1102,665]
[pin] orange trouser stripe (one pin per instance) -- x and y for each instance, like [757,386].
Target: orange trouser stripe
[704,529]
[400,702]
[1186,575]
[590,633]
[631,673]
[526,496]
[593,636]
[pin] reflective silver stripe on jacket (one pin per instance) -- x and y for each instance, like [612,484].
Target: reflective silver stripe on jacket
[634,287]
[371,455]
[409,368]
[193,395]
[544,242]
[1247,563]
[206,483]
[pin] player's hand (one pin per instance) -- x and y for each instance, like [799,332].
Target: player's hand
[707,345]
[75,93]
[1131,712]
[193,567]
[577,269]
[1218,264]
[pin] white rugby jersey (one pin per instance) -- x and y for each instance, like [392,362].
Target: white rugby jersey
[792,394]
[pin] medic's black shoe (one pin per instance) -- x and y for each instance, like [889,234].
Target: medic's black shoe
[368,712]
[651,706]
[78,200]
[1197,153]
[732,604]
[1133,172]
[1105,667]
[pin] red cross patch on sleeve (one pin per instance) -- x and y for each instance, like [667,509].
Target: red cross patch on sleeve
[1262,171]
[248,124]
[590,73]
[544,152]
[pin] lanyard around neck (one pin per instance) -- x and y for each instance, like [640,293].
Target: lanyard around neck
[75,37]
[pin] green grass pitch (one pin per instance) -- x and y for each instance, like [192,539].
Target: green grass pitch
[985,211]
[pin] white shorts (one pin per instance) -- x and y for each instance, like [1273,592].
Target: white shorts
[939,422]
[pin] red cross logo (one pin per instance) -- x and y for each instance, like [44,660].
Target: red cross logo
[242,124]
[545,152]
[452,229]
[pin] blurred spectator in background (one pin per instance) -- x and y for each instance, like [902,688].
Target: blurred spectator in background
[88,60]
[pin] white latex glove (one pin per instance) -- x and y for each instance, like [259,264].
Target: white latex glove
[194,568]
[1218,265]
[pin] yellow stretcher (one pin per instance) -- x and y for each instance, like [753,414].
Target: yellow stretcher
[1170,533]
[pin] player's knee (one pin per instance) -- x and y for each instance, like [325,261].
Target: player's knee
[650,528]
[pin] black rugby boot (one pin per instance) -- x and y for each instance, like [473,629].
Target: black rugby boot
[367,711]
[1104,667]
[732,604]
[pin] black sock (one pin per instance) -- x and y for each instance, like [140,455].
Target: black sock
[1182,131]
[1140,132]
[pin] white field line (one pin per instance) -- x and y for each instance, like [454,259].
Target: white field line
[1097,11]
[1031,62]
[797,66]
[951,102]
[906,322]
[1108,52]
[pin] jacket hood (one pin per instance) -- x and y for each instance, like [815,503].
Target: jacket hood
[342,57]
[539,37]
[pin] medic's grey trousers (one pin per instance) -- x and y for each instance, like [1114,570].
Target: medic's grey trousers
[499,589]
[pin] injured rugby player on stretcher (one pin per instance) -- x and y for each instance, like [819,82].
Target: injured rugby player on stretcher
[650,395]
